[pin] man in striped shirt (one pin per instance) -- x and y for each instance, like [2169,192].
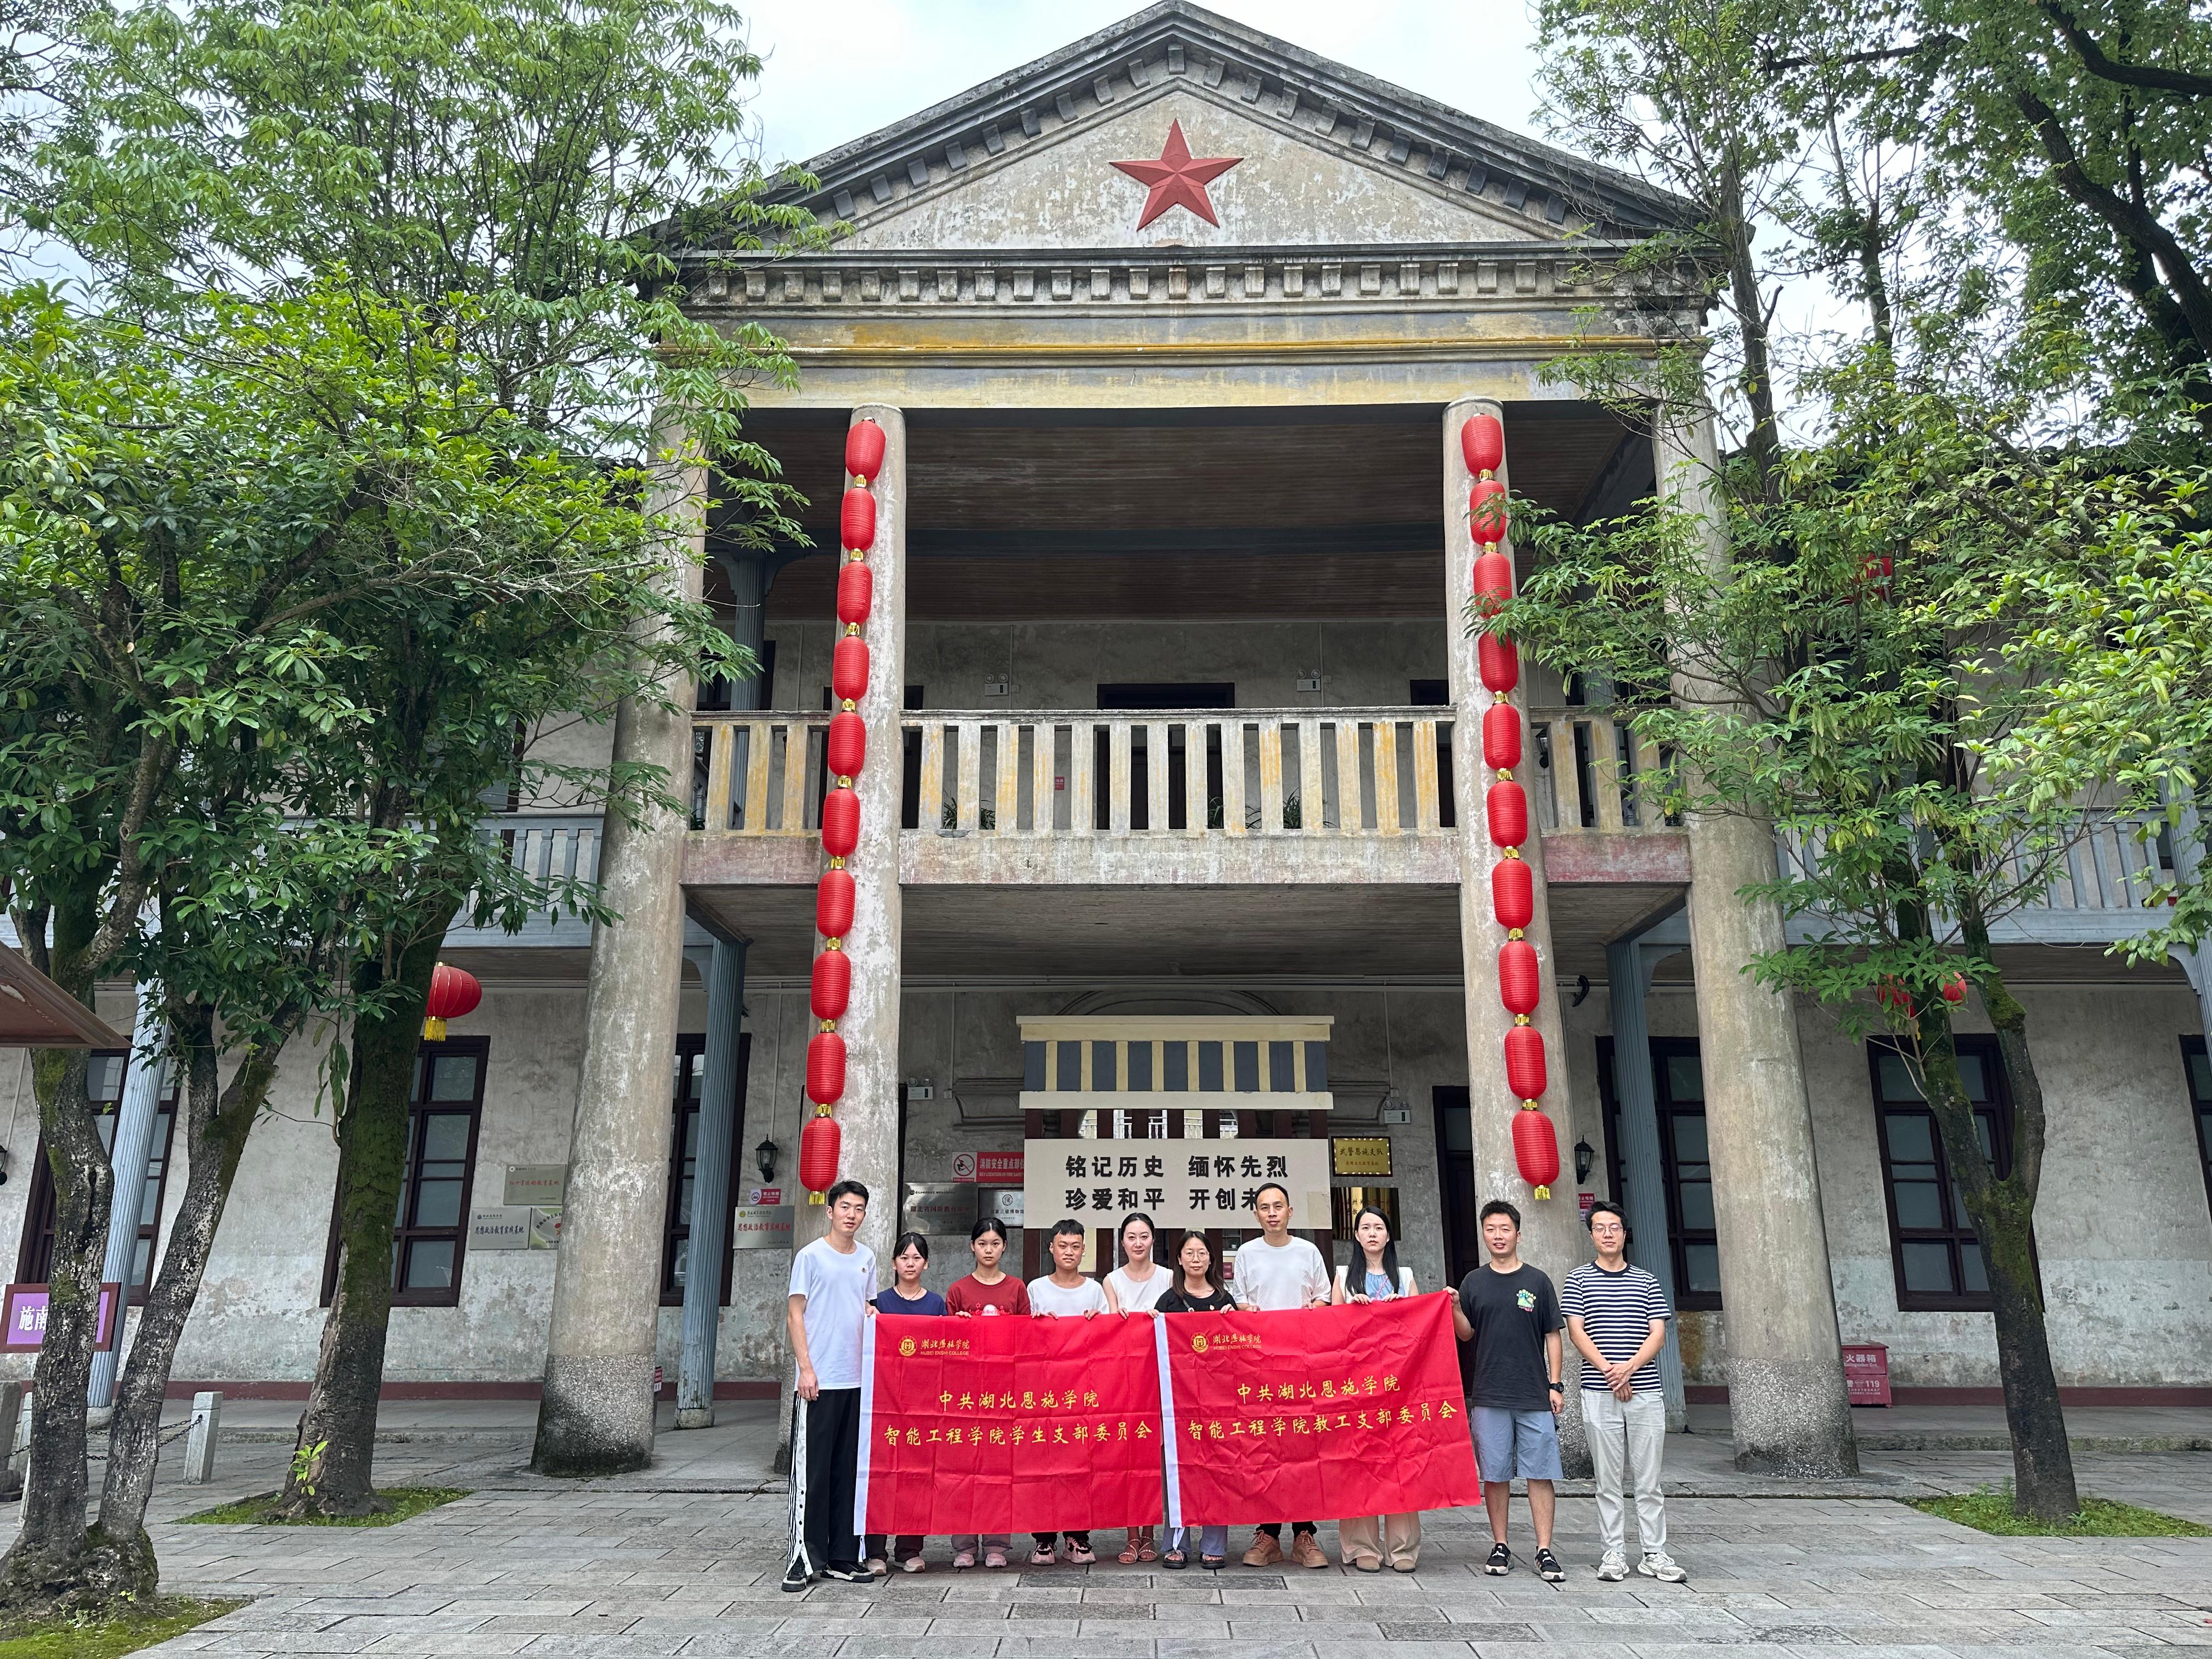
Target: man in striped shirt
[1617,1318]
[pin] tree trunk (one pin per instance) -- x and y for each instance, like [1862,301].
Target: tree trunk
[218,1120]
[1756,380]
[55,1565]
[338,1431]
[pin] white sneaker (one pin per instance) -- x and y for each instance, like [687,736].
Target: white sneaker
[1613,1568]
[1662,1566]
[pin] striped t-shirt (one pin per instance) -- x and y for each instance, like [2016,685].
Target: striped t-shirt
[1617,1310]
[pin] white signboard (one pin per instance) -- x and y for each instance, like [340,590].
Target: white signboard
[1179,1183]
[499,1227]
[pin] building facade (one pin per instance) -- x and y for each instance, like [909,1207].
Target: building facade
[1173,819]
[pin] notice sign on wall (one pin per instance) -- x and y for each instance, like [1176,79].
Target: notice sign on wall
[988,1169]
[500,1227]
[1360,1155]
[543,1185]
[1179,1183]
[24,1315]
[761,1227]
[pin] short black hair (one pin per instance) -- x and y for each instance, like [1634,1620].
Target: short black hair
[1065,1225]
[989,1223]
[1500,1207]
[1265,1186]
[1604,1207]
[910,1241]
[846,1189]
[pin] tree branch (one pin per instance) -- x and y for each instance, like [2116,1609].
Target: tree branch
[2127,75]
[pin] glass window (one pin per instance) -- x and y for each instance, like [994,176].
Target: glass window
[683,1163]
[1938,1260]
[1102,1067]
[435,1182]
[104,1083]
[1679,1087]
[1141,1068]
[2199,1070]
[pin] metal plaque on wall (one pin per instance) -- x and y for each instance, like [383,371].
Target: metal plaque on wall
[761,1227]
[939,1206]
[544,1186]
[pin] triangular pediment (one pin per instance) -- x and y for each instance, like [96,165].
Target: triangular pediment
[1325,156]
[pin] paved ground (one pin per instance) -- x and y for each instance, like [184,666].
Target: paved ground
[684,1560]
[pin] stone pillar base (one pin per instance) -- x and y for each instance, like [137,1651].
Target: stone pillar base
[596,1417]
[695,1417]
[1790,1421]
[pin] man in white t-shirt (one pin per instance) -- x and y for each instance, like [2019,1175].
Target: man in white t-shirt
[1276,1271]
[832,1281]
[1066,1293]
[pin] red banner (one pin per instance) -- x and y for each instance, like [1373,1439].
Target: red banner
[1318,1414]
[1001,1425]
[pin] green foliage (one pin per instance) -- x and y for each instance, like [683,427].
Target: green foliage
[1993,1510]
[264,1509]
[123,1632]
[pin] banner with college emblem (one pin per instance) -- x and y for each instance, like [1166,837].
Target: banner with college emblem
[1314,1414]
[999,1425]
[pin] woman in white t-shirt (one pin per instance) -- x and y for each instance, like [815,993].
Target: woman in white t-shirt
[1374,1275]
[1136,1285]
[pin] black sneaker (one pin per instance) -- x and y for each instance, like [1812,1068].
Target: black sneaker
[852,1575]
[796,1577]
[1500,1562]
[1548,1568]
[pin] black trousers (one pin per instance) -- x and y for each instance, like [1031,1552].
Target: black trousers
[825,1466]
[1274,1528]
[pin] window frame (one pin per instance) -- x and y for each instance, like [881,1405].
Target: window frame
[2200,1108]
[688,1045]
[34,1246]
[1959,1230]
[1680,1237]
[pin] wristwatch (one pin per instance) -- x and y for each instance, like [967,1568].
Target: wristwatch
[1558,1388]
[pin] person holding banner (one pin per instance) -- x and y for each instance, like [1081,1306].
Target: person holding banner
[988,1292]
[904,1295]
[1509,1311]
[832,1280]
[1066,1293]
[1136,1286]
[1365,1545]
[1277,1271]
[1197,1289]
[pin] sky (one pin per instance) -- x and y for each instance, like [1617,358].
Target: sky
[834,72]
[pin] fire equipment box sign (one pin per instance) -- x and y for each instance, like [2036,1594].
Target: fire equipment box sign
[1179,1183]
[988,1169]
[541,1186]
[1351,1154]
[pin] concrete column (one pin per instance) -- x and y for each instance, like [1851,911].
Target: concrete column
[1785,1371]
[1628,964]
[596,1417]
[133,1145]
[747,572]
[1551,1235]
[710,1186]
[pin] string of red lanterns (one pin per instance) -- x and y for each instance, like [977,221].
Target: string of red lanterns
[821,1144]
[1512,885]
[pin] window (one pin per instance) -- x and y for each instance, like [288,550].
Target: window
[682,1164]
[430,1225]
[104,1085]
[2199,1071]
[1678,1080]
[1937,1260]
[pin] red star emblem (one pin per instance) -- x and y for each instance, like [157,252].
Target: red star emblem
[1178,178]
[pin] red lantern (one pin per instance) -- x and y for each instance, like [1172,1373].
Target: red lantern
[1512,892]
[864,448]
[856,591]
[1507,805]
[1485,505]
[1954,989]
[1890,993]
[454,993]
[856,520]
[848,669]
[1524,1062]
[832,985]
[819,1144]
[826,1067]
[833,904]
[1536,1149]
[848,748]
[1501,737]
[1500,662]
[1482,442]
[841,823]
[1520,980]
[1493,582]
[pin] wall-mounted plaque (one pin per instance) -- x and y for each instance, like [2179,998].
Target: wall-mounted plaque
[1360,1155]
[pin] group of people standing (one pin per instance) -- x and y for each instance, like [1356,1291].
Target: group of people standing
[1615,1314]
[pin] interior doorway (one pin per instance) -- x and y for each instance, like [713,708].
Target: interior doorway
[1456,1180]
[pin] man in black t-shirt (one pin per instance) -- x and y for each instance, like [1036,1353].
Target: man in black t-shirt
[1510,1312]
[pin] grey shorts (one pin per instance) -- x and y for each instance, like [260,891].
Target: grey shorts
[1515,1445]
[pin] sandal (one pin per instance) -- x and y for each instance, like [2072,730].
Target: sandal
[1147,1545]
[1127,1557]
[1175,1560]
[1214,1563]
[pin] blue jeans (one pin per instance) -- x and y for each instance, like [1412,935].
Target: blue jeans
[1211,1541]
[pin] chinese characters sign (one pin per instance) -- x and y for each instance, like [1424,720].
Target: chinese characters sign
[1009,1424]
[24,1315]
[1179,1183]
[1320,1414]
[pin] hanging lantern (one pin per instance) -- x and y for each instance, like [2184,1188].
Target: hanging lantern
[1524,1062]
[1536,1149]
[863,449]
[848,669]
[820,1144]
[1482,442]
[1500,662]
[1513,893]
[826,1067]
[1493,582]
[847,749]
[1501,737]
[832,987]
[1507,805]
[1486,507]
[856,591]
[856,520]
[1520,978]
[833,904]
[1891,994]
[841,823]
[1954,989]
[454,993]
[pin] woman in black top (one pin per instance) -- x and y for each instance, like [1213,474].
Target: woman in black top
[1197,1289]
